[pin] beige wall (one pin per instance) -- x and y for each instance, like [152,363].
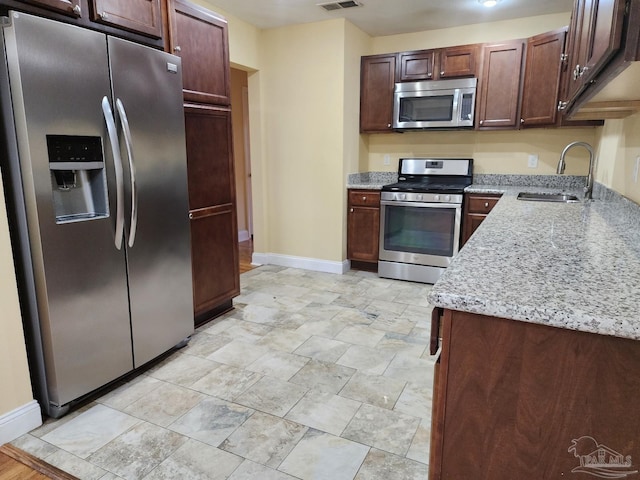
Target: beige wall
[356,43]
[478,33]
[14,372]
[504,152]
[617,153]
[302,80]
[244,38]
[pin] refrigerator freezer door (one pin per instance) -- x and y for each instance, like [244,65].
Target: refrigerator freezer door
[147,86]
[59,76]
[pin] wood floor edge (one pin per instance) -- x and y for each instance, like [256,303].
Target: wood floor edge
[35,463]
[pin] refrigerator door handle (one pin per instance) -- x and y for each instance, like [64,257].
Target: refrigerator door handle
[117,162]
[134,191]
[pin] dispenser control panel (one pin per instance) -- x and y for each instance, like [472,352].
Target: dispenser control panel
[67,151]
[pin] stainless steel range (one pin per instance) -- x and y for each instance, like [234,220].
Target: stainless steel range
[421,216]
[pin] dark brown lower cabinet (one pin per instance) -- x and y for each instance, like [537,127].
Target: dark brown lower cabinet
[214,253]
[476,208]
[363,227]
[212,205]
[517,400]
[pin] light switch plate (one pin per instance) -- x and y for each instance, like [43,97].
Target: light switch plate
[635,170]
[533,161]
[387,160]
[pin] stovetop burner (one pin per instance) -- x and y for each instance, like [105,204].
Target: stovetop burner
[432,175]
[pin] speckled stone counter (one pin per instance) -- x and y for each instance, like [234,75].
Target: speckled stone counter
[371,180]
[573,266]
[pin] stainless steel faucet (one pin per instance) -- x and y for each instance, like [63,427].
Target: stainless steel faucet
[561,164]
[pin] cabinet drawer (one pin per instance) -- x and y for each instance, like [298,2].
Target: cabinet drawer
[364,198]
[482,203]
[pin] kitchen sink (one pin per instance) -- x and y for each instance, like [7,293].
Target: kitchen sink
[548,197]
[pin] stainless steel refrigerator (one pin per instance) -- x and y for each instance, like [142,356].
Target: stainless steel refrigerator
[95,162]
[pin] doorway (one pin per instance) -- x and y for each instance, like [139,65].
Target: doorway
[242,164]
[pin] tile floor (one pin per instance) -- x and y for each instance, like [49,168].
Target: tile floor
[313,376]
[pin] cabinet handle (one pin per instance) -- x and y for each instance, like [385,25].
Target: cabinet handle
[104,16]
[442,73]
[77,10]
[177,49]
[351,210]
[388,125]
[481,122]
[576,72]
[486,204]
[190,216]
[429,75]
[521,121]
[364,199]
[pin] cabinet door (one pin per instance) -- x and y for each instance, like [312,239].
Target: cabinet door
[415,66]
[577,48]
[140,16]
[214,257]
[500,85]
[471,223]
[377,79]
[200,38]
[458,61]
[605,34]
[67,7]
[543,68]
[209,156]
[212,204]
[363,234]
[476,208]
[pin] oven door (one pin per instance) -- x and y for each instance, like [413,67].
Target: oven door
[419,233]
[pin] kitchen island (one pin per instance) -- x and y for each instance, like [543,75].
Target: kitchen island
[539,363]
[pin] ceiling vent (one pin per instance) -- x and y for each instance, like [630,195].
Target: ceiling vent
[338,5]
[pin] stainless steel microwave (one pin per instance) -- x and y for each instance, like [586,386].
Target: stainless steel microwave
[434,104]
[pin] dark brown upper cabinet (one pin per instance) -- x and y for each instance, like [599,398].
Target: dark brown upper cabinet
[377,79]
[460,61]
[450,62]
[416,66]
[71,8]
[599,45]
[140,16]
[543,68]
[195,30]
[499,90]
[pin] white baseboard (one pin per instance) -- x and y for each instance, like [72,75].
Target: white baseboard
[300,262]
[243,235]
[19,421]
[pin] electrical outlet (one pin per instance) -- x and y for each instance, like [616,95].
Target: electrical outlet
[387,160]
[635,170]
[533,161]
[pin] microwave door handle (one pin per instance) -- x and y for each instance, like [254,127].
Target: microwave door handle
[457,110]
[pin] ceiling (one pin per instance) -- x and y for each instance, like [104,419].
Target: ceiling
[388,17]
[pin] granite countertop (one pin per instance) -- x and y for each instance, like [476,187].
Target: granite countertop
[567,265]
[371,180]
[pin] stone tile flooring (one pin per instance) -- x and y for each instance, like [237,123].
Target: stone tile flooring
[312,376]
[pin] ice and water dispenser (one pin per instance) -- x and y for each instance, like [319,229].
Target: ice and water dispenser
[78,178]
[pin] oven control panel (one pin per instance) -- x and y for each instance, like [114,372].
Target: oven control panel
[422,197]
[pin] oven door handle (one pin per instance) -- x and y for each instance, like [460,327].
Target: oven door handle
[420,204]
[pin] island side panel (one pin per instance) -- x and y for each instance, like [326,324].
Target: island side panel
[516,397]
